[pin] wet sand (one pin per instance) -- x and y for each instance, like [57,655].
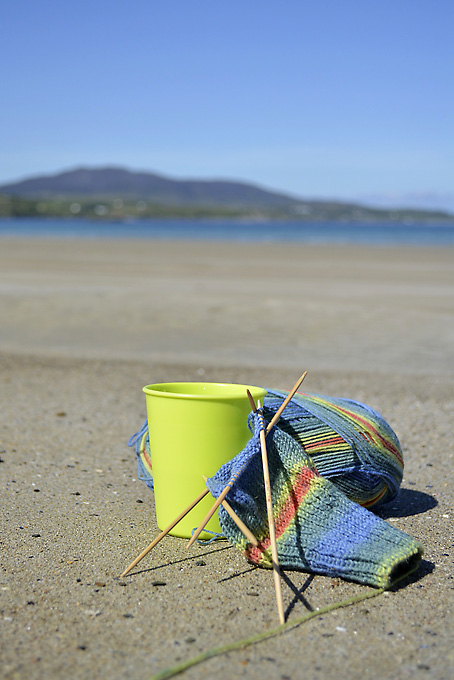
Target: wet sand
[84,325]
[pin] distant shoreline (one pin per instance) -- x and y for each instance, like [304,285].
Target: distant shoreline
[116,192]
[102,208]
[428,219]
[239,230]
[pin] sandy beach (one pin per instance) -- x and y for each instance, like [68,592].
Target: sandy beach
[84,325]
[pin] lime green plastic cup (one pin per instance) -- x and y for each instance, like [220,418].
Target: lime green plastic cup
[194,428]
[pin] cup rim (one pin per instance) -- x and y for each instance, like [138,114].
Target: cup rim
[183,389]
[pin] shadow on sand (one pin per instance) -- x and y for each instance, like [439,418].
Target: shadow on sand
[409,502]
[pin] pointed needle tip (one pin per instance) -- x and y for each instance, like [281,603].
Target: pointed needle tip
[251,401]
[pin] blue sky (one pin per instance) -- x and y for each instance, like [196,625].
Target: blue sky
[343,99]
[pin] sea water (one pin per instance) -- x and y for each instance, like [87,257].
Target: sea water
[366,233]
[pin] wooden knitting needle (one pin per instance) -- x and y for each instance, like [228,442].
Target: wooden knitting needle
[272,529]
[239,522]
[219,500]
[289,396]
[208,516]
[278,413]
[165,532]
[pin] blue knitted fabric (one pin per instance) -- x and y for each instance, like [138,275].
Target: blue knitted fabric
[318,528]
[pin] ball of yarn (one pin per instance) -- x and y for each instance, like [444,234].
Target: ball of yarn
[347,441]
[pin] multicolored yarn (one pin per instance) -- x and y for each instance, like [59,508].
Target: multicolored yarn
[348,442]
[141,441]
[327,458]
[318,528]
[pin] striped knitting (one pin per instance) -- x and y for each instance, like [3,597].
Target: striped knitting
[348,442]
[318,528]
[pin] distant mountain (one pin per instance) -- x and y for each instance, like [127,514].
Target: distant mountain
[118,182]
[117,193]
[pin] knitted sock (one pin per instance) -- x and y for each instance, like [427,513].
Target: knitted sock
[318,528]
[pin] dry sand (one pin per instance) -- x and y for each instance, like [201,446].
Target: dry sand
[84,325]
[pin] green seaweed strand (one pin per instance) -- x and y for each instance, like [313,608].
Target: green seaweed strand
[172,671]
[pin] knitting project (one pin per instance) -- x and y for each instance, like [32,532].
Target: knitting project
[318,529]
[326,453]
